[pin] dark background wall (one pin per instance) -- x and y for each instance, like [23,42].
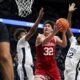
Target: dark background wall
[53,9]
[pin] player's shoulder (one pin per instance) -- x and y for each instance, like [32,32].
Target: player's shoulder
[22,39]
[39,39]
[40,35]
[72,38]
[56,38]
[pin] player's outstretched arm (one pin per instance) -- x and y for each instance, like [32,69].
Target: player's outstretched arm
[63,41]
[34,27]
[42,41]
[70,11]
[56,29]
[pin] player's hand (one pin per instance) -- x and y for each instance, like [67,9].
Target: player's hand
[72,7]
[57,27]
[41,12]
[64,31]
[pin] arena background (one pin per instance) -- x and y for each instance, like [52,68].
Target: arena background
[53,9]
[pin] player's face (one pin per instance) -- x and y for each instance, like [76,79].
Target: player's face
[47,29]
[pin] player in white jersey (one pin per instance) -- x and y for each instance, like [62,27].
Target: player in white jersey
[72,62]
[25,60]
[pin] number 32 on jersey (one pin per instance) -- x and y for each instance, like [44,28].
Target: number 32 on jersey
[48,51]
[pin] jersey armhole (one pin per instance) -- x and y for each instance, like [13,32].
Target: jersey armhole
[55,39]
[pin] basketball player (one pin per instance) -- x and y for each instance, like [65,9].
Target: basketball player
[46,52]
[25,60]
[5,57]
[72,62]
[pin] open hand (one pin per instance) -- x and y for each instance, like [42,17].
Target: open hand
[72,7]
[41,12]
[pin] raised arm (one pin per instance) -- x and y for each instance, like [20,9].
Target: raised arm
[71,10]
[42,41]
[34,27]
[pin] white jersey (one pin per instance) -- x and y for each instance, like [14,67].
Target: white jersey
[24,51]
[72,59]
[73,55]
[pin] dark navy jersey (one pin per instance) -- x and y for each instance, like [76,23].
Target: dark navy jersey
[4,36]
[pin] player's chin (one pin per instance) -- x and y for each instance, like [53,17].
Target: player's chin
[46,32]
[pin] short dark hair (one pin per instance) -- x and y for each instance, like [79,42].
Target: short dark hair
[49,22]
[17,32]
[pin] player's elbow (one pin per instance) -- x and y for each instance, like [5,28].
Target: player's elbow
[64,44]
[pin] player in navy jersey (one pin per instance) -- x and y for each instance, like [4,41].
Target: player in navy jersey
[5,56]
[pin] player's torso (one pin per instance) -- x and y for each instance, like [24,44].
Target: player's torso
[73,57]
[24,50]
[46,53]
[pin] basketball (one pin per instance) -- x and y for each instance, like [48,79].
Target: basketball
[64,22]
